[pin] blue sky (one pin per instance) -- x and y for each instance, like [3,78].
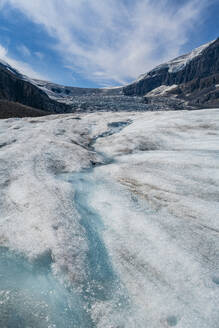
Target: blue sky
[94,43]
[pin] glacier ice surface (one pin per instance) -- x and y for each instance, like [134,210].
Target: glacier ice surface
[129,242]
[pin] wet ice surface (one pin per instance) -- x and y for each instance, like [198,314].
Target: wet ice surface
[30,296]
[110,220]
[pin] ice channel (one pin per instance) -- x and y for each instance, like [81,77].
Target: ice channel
[32,296]
[141,267]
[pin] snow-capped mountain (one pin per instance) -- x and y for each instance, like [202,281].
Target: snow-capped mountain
[202,62]
[189,81]
[5,65]
[176,64]
[195,76]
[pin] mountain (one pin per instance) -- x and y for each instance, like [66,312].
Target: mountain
[15,87]
[194,78]
[188,82]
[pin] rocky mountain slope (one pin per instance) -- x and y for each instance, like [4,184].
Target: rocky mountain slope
[187,82]
[17,88]
[194,77]
[14,109]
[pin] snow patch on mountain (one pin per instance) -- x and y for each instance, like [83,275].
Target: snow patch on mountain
[179,63]
[161,91]
[9,68]
[176,64]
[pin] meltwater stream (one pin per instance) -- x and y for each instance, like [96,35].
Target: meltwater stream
[113,261]
[32,297]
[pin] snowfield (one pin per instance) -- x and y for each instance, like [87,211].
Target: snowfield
[110,220]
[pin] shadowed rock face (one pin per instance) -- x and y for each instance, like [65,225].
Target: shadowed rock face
[200,91]
[14,88]
[11,109]
[198,77]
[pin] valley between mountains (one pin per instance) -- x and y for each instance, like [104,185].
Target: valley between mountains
[188,82]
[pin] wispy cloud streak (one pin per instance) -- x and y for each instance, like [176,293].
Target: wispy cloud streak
[114,40]
[21,66]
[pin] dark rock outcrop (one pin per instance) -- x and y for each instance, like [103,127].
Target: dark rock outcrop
[10,109]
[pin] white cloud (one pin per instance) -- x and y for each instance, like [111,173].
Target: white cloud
[24,50]
[3,51]
[114,40]
[39,54]
[22,67]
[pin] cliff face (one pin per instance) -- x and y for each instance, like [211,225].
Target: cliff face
[193,72]
[14,88]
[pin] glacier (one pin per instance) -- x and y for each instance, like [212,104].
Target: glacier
[110,220]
